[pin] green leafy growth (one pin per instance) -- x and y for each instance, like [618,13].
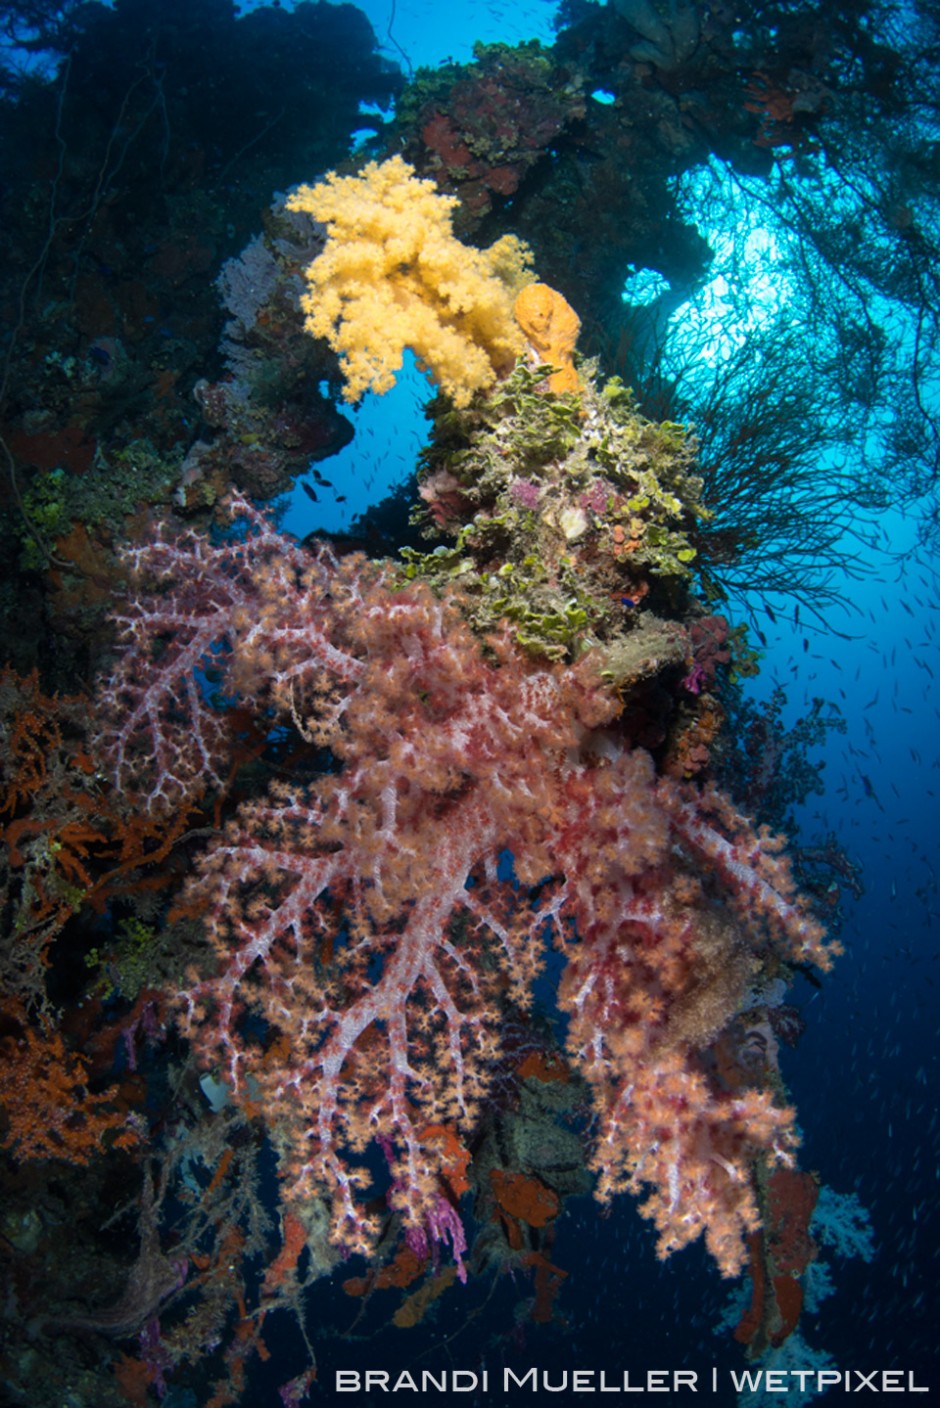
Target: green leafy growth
[563,509]
[47,516]
[127,965]
[114,487]
[514,429]
[745,659]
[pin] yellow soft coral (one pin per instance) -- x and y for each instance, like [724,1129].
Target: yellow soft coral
[394,275]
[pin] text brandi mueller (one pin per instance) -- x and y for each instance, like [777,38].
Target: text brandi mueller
[813,1381]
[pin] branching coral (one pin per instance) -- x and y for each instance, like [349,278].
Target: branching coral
[393,275]
[46,1108]
[364,917]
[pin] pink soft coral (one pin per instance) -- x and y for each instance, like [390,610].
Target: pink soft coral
[363,913]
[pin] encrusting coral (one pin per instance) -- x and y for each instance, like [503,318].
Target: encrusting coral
[394,275]
[564,510]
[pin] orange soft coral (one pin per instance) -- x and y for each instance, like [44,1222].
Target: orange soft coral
[551,327]
[46,1108]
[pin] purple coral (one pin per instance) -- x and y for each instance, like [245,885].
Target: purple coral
[526,492]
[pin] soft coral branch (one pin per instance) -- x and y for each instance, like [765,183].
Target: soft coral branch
[366,938]
[163,735]
[46,1108]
